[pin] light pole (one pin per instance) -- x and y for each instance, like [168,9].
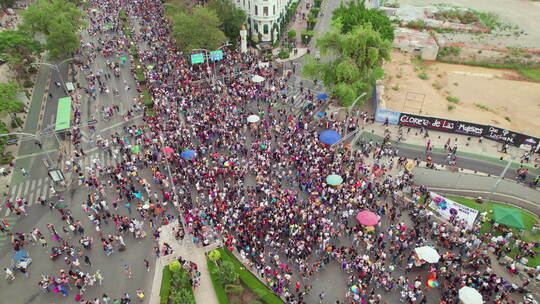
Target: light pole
[499,179]
[56,67]
[36,137]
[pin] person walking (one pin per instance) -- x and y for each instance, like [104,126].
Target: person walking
[24,172]
[87,261]
[127,270]
[147,265]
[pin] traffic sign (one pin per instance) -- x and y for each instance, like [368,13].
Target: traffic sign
[197,58]
[216,55]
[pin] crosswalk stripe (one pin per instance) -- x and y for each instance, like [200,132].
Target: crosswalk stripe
[19,189]
[33,184]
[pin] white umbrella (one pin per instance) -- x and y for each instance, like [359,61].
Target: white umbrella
[469,295]
[253,118]
[428,254]
[257,78]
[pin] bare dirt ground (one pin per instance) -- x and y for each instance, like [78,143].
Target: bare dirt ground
[489,96]
[525,14]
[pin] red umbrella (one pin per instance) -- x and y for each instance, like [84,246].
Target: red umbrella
[168,150]
[368,218]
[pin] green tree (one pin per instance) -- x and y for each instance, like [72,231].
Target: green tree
[41,15]
[62,39]
[214,255]
[356,64]
[189,34]
[18,47]
[355,13]
[231,17]
[8,98]
[227,273]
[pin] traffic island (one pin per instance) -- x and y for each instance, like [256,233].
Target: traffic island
[234,283]
[176,285]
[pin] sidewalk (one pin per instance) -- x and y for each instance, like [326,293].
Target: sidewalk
[204,293]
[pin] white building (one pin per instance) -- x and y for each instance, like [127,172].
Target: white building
[264,17]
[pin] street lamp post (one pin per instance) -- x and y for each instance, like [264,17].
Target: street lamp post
[56,67]
[36,137]
[499,179]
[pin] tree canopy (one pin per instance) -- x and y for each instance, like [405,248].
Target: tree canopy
[17,47]
[62,40]
[59,21]
[357,59]
[231,17]
[42,14]
[355,13]
[196,30]
[8,98]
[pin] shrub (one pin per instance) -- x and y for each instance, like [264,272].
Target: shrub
[28,83]
[283,54]
[451,107]
[291,34]
[311,21]
[482,107]
[32,69]
[315,11]
[17,122]
[317,3]
[393,5]
[417,24]
[452,99]
[134,52]
[449,50]
[423,76]
[6,158]
[508,119]
[122,15]
[307,36]
[147,99]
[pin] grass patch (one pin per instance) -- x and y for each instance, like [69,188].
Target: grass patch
[481,106]
[437,85]
[451,107]
[165,286]
[508,119]
[530,73]
[396,87]
[452,99]
[258,287]
[423,76]
[218,285]
[489,19]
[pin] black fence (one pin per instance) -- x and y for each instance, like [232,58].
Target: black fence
[467,128]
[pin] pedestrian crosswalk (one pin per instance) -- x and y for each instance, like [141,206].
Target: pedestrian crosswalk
[33,188]
[29,190]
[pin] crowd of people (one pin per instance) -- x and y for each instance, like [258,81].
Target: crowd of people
[259,187]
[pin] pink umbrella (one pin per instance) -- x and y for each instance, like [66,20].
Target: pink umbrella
[168,150]
[368,218]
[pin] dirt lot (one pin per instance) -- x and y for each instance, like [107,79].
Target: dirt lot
[523,13]
[488,96]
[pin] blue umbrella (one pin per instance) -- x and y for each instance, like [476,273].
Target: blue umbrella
[329,137]
[188,154]
[321,114]
[322,96]
[20,255]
